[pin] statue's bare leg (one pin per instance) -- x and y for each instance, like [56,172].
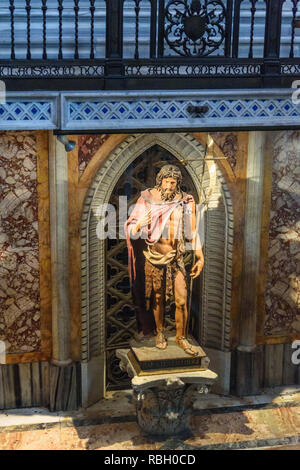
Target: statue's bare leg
[181,314]
[158,311]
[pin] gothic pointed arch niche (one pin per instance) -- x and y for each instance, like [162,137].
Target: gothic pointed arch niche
[213,326]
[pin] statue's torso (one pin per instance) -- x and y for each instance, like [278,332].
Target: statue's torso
[166,244]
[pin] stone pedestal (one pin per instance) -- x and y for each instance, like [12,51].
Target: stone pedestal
[164,402]
[148,360]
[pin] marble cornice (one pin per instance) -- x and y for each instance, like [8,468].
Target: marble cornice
[114,111]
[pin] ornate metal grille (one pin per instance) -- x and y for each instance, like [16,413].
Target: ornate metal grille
[247,42]
[120,316]
[192,28]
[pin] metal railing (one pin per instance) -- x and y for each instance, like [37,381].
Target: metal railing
[254,42]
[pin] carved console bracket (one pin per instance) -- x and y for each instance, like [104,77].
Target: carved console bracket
[164,402]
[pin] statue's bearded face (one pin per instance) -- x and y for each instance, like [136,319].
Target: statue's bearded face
[168,189]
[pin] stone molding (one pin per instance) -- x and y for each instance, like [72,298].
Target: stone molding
[159,110]
[217,279]
[28,111]
[58,187]
[253,221]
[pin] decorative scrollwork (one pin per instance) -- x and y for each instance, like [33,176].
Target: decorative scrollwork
[194,28]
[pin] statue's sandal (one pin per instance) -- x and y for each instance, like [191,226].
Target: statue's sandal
[161,342]
[186,346]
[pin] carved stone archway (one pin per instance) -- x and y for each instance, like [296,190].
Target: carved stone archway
[216,289]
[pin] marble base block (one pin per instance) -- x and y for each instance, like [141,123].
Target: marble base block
[164,402]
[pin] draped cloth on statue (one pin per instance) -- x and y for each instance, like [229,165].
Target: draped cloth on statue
[139,244]
[160,277]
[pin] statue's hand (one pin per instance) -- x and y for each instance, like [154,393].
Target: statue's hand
[144,221]
[197,268]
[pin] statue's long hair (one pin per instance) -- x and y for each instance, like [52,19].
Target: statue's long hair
[169,171]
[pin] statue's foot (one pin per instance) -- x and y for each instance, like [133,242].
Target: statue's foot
[161,342]
[186,346]
[140,337]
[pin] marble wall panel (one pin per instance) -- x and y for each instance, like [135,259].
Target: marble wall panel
[87,147]
[283,273]
[19,244]
[228,143]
